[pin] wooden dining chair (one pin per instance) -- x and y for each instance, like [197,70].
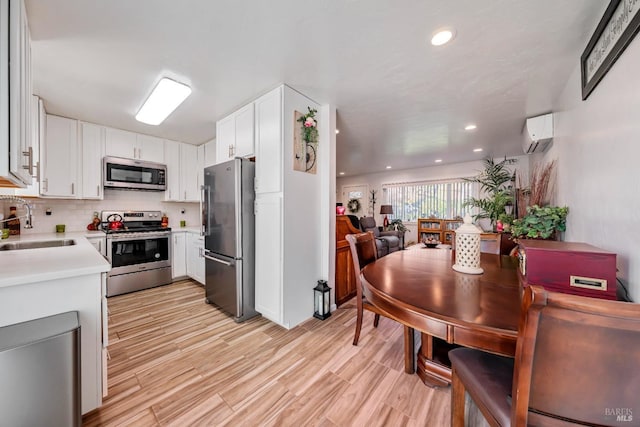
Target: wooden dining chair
[576,363]
[364,251]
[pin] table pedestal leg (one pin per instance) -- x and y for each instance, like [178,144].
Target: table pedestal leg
[409,350]
[432,372]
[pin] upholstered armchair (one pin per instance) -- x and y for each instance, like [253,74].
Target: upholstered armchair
[386,241]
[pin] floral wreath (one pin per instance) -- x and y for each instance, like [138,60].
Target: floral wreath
[309,126]
[353,205]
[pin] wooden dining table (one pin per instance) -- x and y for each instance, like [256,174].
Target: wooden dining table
[418,288]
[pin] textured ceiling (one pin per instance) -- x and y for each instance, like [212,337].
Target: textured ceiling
[400,101]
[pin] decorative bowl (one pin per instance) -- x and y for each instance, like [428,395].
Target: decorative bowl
[431,244]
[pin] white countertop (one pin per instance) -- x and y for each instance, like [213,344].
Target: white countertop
[18,267]
[186,230]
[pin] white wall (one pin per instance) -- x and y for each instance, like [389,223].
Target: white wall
[303,214]
[77,214]
[375,181]
[597,145]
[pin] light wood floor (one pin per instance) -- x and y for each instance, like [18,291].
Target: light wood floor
[178,361]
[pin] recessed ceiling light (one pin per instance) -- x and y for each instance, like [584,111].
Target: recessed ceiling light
[438,160]
[442,36]
[477,150]
[388,167]
[341,173]
[164,98]
[470,127]
[337,131]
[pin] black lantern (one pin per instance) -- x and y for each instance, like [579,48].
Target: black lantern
[321,304]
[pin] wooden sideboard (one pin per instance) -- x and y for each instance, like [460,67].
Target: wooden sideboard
[345,288]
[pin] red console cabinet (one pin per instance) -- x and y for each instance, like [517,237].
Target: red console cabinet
[569,267]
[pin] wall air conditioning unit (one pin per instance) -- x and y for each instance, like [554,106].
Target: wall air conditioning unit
[537,133]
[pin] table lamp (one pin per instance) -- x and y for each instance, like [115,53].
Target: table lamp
[386,210]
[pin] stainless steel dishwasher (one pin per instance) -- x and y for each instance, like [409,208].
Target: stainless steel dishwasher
[40,372]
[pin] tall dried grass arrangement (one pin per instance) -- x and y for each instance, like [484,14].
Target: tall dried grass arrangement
[541,183]
[540,189]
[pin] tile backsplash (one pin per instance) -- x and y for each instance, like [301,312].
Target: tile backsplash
[77,214]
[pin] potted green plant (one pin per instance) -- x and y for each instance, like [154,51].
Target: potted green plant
[496,182]
[397,225]
[541,222]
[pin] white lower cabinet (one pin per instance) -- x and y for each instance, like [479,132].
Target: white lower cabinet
[178,255]
[187,255]
[84,294]
[268,297]
[100,243]
[195,257]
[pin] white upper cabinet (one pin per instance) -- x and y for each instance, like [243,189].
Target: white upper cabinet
[150,148]
[200,168]
[210,153]
[244,132]
[92,145]
[120,143]
[235,135]
[182,172]
[59,176]
[130,145]
[16,156]
[37,129]
[269,142]
[225,139]
[172,155]
[189,173]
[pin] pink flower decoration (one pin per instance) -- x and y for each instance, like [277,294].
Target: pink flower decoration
[309,123]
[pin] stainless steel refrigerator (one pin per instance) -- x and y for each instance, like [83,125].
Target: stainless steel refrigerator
[228,223]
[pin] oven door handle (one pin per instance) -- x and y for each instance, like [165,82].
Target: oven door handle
[138,235]
[228,264]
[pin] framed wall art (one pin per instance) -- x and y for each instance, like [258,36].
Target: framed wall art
[615,31]
[305,142]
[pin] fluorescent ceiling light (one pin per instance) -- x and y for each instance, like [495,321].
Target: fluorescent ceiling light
[442,36]
[470,127]
[388,167]
[438,160]
[477,150]
[165,98]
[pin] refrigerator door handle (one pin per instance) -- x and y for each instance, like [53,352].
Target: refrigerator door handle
[218,260]
[205,197]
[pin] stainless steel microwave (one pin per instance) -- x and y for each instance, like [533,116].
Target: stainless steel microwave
[134,174]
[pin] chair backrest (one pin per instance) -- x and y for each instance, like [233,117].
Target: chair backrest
[354,221]
[577,360]
[363,251]
[368,223]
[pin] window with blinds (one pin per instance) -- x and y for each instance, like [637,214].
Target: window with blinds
[440,199]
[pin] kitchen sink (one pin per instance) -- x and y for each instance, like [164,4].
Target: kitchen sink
[13,246]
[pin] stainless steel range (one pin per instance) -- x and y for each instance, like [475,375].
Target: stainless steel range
[139,250]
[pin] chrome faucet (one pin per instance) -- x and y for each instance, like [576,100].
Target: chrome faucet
[29,217]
